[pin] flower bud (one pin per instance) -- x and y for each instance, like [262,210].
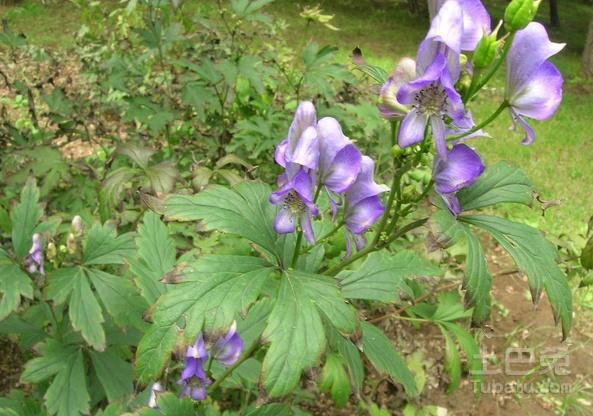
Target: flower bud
[77,225]
[396,151]
[51,251]
[71,243]
[486,49]
[519,13]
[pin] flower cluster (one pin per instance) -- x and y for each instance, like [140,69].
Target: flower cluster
[226,350]
[424,95]
[317,157]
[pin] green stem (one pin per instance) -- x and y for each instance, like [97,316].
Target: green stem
[299,240]
[232,368]
[483,124]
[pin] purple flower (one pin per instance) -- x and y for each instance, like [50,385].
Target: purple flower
[363,205]
[534,85]
[433,97]
[34,261]
[444,38]
[301,147]
[389,107]
[228,349]
[476,21]
[295,198]
[193,377]
[460,170]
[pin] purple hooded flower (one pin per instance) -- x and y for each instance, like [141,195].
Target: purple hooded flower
[34,261]
[460,170]
[475,21]
[301,146]
[363,205]
[228,349]
[534,85]
[433,97]
[295,198]
[193,377]
[389,107]
[444,38]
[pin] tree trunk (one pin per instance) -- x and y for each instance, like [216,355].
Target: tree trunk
[588,53]
[554,19]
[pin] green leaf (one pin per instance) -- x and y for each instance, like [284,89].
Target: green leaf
[171,405]
[53,354]
[536,257]
[61,282]
[335,379]
[114,373]
[470,348]
[272,409]
[452,361]
[587,255]
[500,183]
[381,277]
[156,252]
[119,297]
[477,281]
[213,290]
[295,328]
[244,211]
[162,176]
[14,283]
[85,313]
[68,395]
[349,353]
[380,352]
[25,217]
[255,322]
[103,246]
[153,352]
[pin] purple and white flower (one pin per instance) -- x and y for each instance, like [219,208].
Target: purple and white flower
[389,107]
[534,85]
[228,348]
[459,170]
[193,377]
[363,205]
[34,260]
[155,389]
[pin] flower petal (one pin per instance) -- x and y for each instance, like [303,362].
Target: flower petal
[284,222]
[280,153]
[412,129]
[307,228]
[306,150]
[439,133]
[540,96]
[365,185]
[530,49]
[228,349]
[460,170]
[344,169]
[304,117]
[364,214]
[476,23]
[452,203]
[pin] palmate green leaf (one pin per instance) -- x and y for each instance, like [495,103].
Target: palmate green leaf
[500,183]
[119,297]
[156,252]
[470,348]
[272,409]
[244,211]
[14,283]
[17,403]
[452,361]
[114,373]
[103,246]
[85,313]
[334,379]
[381,277]
[295,327]
[255,322]
[68,394]
[380,352]
[24,217]
[477,282]
[536,257]
[162,176]
[213,290]
[153,352]
[349,353]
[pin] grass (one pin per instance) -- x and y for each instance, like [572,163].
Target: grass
[559,162]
